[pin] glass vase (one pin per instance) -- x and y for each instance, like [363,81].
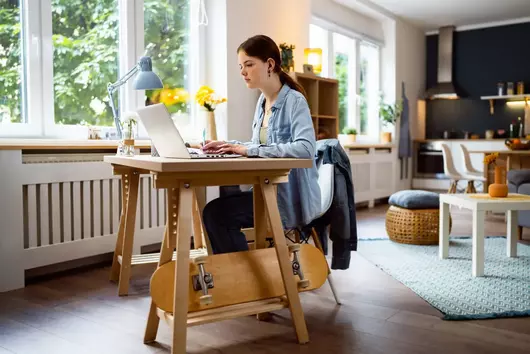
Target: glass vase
[126,144]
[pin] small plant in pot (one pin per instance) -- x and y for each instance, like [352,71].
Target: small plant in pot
[389,115]
[348,136]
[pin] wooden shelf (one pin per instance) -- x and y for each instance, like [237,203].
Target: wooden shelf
[323,99]
[509,98]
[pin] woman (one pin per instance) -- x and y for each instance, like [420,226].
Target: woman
[282,127]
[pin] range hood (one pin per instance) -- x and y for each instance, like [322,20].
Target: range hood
[445,87]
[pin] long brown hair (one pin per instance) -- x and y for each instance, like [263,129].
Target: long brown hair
[263,48]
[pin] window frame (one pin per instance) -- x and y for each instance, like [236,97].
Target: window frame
[37,73]
[354,87]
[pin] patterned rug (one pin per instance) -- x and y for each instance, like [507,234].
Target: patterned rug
[448,285]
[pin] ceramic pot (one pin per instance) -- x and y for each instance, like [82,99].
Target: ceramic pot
[347,139]
[386,137]
[499,189]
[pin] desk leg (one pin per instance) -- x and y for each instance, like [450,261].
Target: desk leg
[166,254]
[478,243]
[118,251]
[180,303]
[444,231]
[260,218]
[512,233]
[271,204]
[131,189]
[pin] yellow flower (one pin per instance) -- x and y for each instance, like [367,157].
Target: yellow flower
[206,98]
[491,158]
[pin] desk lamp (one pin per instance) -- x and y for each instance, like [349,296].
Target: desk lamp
[145,80]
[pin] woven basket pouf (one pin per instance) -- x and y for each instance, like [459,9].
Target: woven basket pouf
[413,226]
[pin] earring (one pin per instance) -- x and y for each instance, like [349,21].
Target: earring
[269,74]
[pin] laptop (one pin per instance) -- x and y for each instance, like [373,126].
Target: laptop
[166,137]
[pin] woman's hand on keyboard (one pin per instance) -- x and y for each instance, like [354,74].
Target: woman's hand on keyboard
[227,148]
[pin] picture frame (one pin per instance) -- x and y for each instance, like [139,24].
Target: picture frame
[308,69]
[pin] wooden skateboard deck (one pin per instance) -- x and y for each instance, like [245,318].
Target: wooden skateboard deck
[239,277]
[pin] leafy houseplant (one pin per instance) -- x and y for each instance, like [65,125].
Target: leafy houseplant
[287,57]
[389,115]
[348,136]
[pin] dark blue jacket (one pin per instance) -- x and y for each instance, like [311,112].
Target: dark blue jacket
[341,215]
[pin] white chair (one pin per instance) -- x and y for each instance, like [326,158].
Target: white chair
[455,176]
[326,178]
[470,171]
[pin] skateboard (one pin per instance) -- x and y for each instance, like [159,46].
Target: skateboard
[234,278]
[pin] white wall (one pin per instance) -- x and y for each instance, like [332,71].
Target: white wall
[403,60]
[345,17]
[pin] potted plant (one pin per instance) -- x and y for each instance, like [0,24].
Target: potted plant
[348,136]
[389,115]
[287,63]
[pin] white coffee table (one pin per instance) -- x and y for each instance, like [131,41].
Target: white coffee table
[479,204]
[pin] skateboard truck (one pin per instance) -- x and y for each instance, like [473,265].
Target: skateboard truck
[203,281]
[297,267]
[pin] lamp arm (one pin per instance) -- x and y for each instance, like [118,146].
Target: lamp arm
[110,90]
[125,78]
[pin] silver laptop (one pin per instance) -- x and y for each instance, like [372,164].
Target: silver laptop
[166,137]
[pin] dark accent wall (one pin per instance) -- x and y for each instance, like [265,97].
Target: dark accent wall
[482,58]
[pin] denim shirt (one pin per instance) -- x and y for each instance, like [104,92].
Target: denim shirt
[290,133]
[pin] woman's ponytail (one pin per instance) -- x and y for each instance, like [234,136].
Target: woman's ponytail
[287,79]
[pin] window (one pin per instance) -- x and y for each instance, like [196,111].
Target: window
[344,55]
[85,59]
[166,42]
[10,62]
[58,56]
[354,62]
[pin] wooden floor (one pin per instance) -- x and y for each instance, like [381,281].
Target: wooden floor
[81,313]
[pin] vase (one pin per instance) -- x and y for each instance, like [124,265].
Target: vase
[126,143]
[499,189]
[386,137]
[211,130]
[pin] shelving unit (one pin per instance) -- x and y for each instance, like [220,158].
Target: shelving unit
[323,99]
[492,99]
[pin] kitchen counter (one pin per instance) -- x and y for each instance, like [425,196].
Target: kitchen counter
[458,140]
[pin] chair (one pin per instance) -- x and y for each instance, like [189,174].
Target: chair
[455,176]
[469,169]
[326,177]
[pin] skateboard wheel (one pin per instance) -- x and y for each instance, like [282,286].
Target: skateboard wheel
[294,248]
[199,259]
[206,299]
[303,283]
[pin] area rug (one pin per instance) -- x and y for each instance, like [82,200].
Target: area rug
[448,285]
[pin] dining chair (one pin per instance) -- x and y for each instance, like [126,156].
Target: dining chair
[455,176]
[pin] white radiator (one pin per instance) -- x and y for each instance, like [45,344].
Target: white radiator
[55,213]
[57,210]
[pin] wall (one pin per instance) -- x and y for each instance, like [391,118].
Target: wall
[482,58]
[343,16]
[403,60]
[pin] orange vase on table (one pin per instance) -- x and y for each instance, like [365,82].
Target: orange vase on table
[499,189]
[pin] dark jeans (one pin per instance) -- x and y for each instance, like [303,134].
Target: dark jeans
[224,218]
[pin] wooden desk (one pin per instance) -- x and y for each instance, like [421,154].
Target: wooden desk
[514,160]
[180,177]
